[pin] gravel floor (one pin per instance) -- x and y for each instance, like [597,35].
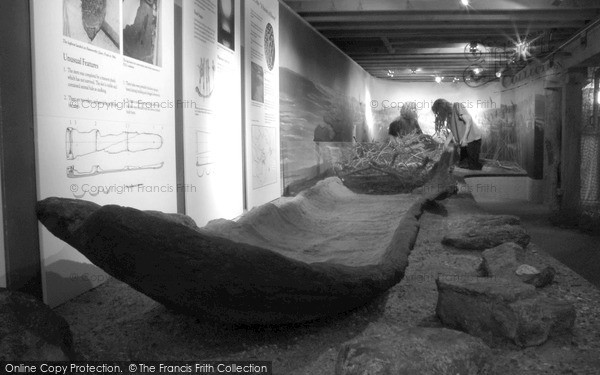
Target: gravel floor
[114,322]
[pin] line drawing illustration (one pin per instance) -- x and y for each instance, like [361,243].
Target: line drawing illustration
[264,161]
[80,144]
[206,77]
[72,172]
[204,154]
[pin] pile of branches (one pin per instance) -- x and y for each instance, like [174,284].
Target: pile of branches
[406,159]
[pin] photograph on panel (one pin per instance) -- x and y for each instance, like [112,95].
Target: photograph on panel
[226,24]
[141,30]
[93,21]
[257,83]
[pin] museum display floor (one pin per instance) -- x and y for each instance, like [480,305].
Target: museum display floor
[114,322]
[577,250]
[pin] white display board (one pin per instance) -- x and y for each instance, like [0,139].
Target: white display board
[263,180]
[212,109]
[104,111]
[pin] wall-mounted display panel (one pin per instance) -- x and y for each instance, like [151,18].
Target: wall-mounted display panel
[104,107]
[263,180]
[212,109]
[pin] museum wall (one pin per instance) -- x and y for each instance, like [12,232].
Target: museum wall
[590,147]
[528,103]
[531,119]
[389,97]
[323,96]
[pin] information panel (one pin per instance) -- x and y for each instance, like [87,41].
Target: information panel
[263,182]
[212,109]
[104,104]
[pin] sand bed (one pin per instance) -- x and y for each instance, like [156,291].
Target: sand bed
[327,223]
[114,322]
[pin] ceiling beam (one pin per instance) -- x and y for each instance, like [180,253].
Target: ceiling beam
[524,27]
[434,36]
[388,46]
[311,6]
[560,15]
[424,32]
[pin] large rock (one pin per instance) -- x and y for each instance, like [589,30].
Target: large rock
[31,331]
[486,231]
[199,272]
[506,261]
[389,350]
[493,308]
[501,261]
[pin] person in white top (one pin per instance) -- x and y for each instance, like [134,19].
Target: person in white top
[463,131]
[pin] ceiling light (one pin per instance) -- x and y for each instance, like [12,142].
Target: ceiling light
[465,2]
[522,50]
[473,47]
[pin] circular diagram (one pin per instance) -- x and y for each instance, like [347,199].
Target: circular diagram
[269,46]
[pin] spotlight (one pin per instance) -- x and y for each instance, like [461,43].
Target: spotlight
[522,50]
[477,71]
[473,47]
[465,2]
[438,79]
[499,74]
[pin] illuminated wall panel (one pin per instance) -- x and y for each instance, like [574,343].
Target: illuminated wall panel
[212,109]
[104,107]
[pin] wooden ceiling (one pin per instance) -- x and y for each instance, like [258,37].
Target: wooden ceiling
[418,40]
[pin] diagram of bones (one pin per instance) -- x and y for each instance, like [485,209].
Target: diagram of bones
[206,77]
[96,170]
[80,144]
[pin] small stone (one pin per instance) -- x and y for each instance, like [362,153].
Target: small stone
[527,270]
[541,279]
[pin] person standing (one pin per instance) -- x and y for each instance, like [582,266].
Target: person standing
[463,131]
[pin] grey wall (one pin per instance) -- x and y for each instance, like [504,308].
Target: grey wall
[2,255]
[17,156]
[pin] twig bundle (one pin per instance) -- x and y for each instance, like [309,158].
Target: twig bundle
[407,159]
